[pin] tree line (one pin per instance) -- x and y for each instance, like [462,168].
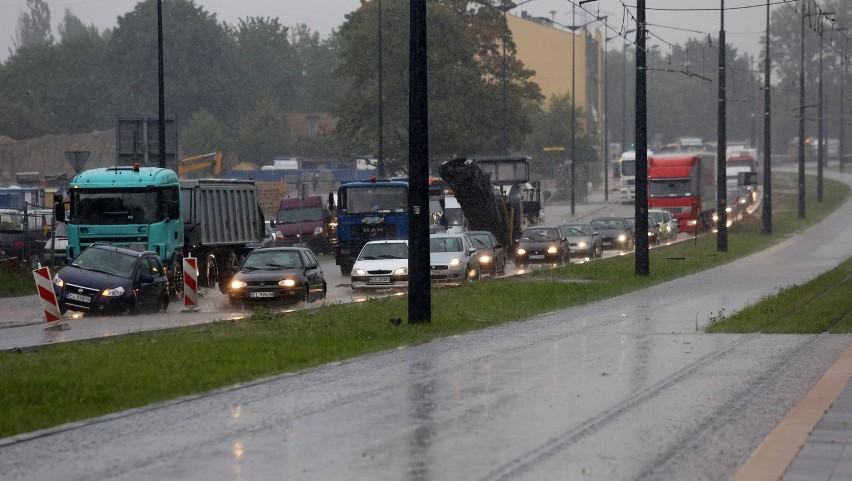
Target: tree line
[230,87]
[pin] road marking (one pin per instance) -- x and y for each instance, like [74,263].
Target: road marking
[778,449]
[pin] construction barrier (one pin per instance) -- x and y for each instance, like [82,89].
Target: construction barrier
[48,297]
[190,282]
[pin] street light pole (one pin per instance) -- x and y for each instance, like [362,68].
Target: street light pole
[573,159]
[802,119]
[606,112]
[721,167]
[624,146]
[767,144]
[381,159]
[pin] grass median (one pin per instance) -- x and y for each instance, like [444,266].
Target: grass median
[74,381]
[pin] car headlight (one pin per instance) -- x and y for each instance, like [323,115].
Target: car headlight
[582,245]
[715,218]
[318,231]
[691,222]
[622,237]
[455,262]
[552,250]
[235,284]
[728,210]
[287,282]
[485,259]
[521,251]
[359,272]
[114,292]
[401,271]
[57,281]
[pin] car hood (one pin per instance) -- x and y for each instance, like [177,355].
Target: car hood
[444,257]
[579,238]
[257,275]
[306,228]
[536,244]
[611,232]
[93,279]
[380,264]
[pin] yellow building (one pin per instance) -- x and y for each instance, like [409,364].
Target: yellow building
[552,53]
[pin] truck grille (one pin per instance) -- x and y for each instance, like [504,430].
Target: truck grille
[374,231]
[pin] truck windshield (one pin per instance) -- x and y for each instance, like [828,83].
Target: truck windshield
[628,168]
[375,199]
[116,206]
[670,187]
[295,215]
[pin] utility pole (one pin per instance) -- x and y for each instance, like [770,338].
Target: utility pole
[641,208]
[722,150]
[843,62]
[767,140]
[606,111]
[802,119]
[419,282]
[820,128]
[381,160]
[573,109]
[161,85]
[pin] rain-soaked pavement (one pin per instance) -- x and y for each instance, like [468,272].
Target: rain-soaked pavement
[629,388]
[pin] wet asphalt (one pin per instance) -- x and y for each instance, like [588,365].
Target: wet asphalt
[628,388]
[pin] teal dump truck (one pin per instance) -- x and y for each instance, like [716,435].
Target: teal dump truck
[149,208]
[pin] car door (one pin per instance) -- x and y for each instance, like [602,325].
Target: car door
[313,273]
[150,281]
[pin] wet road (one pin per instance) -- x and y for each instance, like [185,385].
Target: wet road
[625,389]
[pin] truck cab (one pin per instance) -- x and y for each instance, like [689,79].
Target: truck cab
[305,221]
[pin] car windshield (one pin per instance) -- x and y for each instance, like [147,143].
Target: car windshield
[579,229]
[445,244]
[481,241]
[384,250]
[540,234]
[655,216]
[107,261]
[272,260]
[608,224]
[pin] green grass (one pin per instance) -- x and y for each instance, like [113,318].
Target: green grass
[73,381]
[16,279]
[821,305]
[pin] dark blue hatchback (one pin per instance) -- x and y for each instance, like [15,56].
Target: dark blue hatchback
[106,278]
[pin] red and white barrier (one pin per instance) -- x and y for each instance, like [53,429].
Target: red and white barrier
[190,282]
[47,294]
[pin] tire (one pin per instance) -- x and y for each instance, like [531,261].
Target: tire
[305,295]
[176,280]
[211,272]
[324,290]
[228,270]
[162,304]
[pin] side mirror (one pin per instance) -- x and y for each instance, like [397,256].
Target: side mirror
[471,251]
[147,279]
[59,209]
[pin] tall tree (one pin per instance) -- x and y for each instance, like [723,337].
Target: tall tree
[33,26]
[197,64]
[464,75]
[72,26]
[263,133]
[202,134]
[315,61]
[263,63]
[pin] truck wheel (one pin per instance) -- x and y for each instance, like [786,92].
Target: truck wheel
[228,270]
[176,280]
[211,272]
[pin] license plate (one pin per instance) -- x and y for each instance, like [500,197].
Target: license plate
[261,294]
[439,273]
[537,256]
[607,243]
[379,280]
[78,297]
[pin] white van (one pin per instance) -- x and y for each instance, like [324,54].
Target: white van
[452,216]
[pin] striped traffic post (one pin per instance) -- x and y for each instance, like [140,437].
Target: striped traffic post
[190,282]
[49,302]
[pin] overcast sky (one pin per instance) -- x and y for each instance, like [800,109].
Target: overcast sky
[743,27]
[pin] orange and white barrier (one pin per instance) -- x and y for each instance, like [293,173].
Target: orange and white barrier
[47,294]
[190,282]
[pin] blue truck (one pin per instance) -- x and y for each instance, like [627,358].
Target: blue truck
[366,211]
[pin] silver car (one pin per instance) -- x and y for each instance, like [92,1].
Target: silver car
[452,258]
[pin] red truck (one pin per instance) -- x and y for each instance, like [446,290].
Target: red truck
[685,185]
[306,221]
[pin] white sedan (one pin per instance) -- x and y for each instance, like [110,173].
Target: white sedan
[381,265]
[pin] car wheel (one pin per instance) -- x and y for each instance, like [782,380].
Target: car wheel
[324,290]
[129,308]
[162,303]
[305,295]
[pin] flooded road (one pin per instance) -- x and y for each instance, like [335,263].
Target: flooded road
[624,389]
